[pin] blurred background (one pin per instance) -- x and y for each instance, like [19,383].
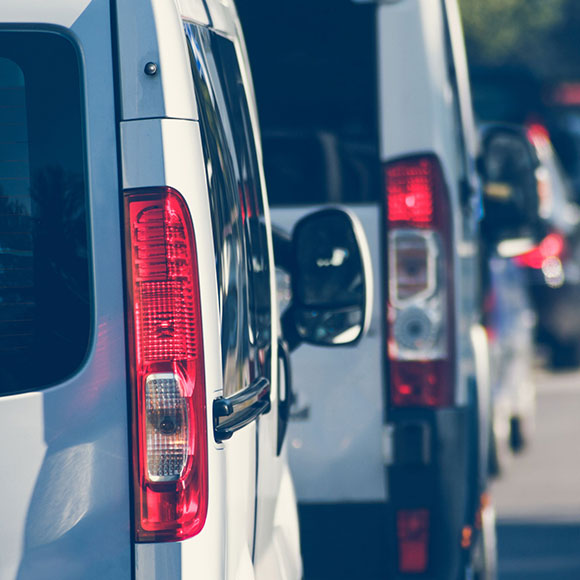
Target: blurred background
[524,58]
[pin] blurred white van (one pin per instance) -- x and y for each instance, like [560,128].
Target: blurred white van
[368,104]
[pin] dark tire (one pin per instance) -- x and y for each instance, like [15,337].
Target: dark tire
[564,355]
[493,461]
[499,454]
[518,437]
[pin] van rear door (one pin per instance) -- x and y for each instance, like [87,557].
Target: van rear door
[64,493]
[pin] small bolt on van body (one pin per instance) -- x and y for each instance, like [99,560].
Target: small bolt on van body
[144,376]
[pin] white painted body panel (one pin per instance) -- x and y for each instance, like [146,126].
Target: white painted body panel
[65,449]
[152,31]
[336,452]
[193,10]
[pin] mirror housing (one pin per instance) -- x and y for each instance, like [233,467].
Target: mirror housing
[507,167]
[328,261]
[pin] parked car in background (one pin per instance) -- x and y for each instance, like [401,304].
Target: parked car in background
[144,370]
[511,227]
[517,96]
[553,264]
[368,104]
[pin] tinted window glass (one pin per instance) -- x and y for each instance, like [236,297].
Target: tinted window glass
[44,288]
[316,87]
[237,209]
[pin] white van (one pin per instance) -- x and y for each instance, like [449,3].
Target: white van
[368,104]
[143,391]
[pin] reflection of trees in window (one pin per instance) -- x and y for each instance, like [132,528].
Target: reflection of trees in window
[44,270]
[44,302]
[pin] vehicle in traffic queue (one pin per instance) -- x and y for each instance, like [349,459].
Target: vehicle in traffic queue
[367,104]
[552,265]
[145,378]
[507,95]
[511,229]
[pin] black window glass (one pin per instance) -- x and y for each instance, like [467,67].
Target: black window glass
[316,87]
[44,273]
[237,209]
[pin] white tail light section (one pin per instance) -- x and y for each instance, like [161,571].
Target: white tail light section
[419,303]
[167,427]
[166,357]
[418,295]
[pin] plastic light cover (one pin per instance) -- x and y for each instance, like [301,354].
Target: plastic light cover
[419,307]
[413,540]
[169,408]
[167,425]
[417,296]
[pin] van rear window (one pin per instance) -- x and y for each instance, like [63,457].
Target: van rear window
[45,309]
[314,67]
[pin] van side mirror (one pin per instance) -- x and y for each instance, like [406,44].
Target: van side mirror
[507,167]
[328,260]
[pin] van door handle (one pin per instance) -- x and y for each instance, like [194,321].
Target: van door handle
[230,414]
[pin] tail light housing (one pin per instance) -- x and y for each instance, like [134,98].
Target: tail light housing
[413,540]
[419,300]
[166,364]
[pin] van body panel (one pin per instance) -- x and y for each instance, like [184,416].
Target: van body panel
[70,474]
[59,12]
[18,478]
[223,16]
[277,553]
[425,96]
[340,420]
[194,10]
[152,32]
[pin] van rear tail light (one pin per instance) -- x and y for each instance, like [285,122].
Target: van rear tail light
[419,304]
[168,380]
[413,540]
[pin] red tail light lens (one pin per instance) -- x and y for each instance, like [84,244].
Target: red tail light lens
[414,188]
[421,383]
[168,380]
[413,540]
[552,246]
[419,307]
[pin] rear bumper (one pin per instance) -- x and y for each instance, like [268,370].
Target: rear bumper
[435,467]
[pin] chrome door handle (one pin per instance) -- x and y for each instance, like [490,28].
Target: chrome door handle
[230,414]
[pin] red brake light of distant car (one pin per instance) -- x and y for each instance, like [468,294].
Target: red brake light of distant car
[413,540]
[552,246]
[566,94]
[168,379]
[419,305]
[537,133]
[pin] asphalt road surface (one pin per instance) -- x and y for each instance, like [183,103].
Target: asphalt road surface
[538,499]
